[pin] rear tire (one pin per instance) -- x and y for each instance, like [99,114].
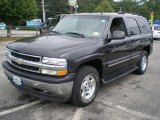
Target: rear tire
[86,86]
[142,63]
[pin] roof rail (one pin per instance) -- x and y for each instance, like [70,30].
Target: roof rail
[134,14]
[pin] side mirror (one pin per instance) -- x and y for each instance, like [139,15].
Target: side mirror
[118,35]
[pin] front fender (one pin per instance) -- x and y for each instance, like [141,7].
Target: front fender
[84,59]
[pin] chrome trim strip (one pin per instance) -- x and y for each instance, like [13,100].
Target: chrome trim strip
[123,61]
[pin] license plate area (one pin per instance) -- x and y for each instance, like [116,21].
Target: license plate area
[17,80]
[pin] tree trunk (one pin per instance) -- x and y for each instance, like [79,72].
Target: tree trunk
[9,31]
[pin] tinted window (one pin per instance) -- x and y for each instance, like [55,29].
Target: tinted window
[132,26]
[144,25]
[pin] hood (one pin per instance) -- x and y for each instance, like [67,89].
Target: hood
[50,45]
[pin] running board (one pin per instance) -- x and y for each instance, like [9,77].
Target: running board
[111,78]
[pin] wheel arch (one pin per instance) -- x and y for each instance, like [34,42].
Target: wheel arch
[147,49]
[92,60]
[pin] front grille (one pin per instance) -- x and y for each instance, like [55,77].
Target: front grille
[28,62]
[25,67]
[25,57]
[24,61]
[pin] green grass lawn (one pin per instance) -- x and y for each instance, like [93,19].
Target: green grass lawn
[3,39]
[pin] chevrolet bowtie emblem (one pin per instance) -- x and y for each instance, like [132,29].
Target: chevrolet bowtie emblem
[19,61]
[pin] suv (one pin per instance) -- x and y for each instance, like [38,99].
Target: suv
[156,31]
[82,51]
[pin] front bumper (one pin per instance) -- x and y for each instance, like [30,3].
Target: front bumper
[56,89]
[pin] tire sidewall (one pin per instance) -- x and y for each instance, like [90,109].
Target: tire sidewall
[81,74]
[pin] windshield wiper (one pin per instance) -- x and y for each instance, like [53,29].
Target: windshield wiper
[77,34]
[59,33]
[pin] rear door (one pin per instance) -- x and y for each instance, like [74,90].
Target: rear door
[136,39]
[140,34]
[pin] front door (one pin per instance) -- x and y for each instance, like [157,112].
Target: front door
[117,51]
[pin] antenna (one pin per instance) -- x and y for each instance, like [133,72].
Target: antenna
[120,11]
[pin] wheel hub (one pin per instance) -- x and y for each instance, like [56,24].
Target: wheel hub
[144,63]
[88,86]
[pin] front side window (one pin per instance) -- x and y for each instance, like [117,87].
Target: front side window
[118,25]
[89,26]
[132,26]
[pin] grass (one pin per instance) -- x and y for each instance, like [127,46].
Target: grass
[3,39]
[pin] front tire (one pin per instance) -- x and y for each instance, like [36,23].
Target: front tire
[86,86]
[142,63]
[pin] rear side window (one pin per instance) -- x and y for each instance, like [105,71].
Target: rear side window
[132,26]
[144,25]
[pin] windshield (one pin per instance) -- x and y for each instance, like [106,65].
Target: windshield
[157,28]
[88,26]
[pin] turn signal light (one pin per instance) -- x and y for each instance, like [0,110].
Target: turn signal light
[62,72]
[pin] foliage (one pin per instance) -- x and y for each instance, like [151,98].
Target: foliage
[88,5]
[142,7]
[154,5]
[57,7]
[53,7]
[104,6]
[14,12]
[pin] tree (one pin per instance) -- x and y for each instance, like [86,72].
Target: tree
[144,11]
[154,6]
[14,12]
[142,7]
[87,5]
[104,6]
[128,6]
[53,7]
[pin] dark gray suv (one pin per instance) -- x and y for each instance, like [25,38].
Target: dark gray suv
[82,51]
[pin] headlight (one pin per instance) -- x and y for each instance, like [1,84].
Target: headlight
[8,53]
[61,66]
[54,61]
